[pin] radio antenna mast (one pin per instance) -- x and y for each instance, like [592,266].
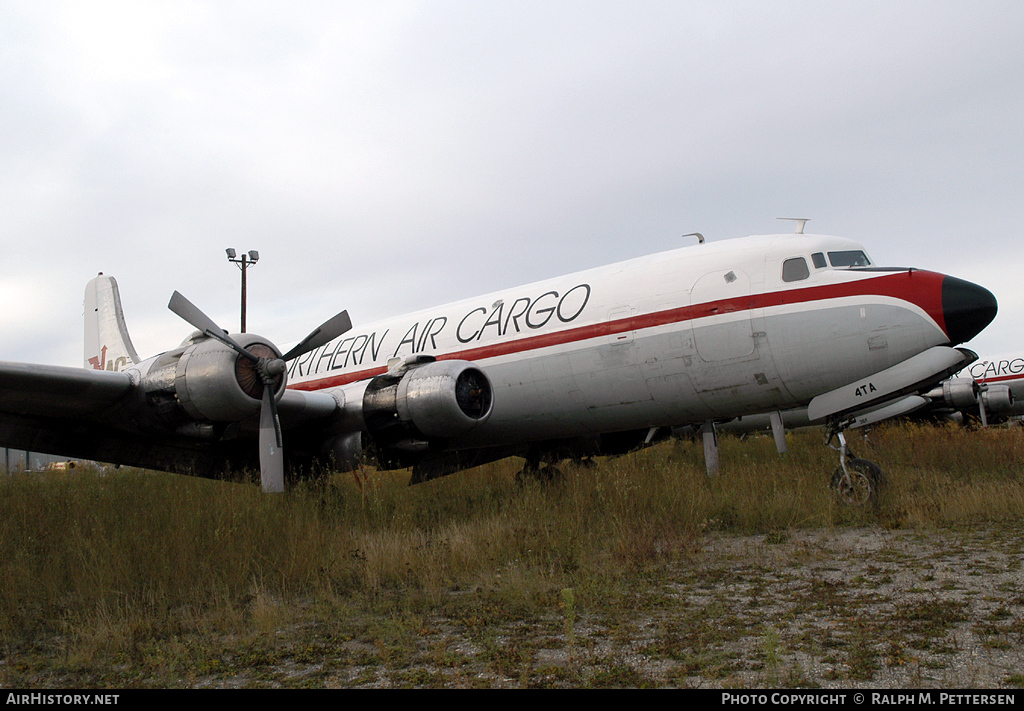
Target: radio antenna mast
[800,220]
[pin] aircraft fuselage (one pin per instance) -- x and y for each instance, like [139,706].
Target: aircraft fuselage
[703,332]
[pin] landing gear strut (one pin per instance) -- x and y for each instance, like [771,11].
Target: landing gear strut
[857,482]
[536,470]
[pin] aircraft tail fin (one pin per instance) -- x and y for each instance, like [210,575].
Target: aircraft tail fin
[107,344]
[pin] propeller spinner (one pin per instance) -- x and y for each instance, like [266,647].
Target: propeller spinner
[270,370]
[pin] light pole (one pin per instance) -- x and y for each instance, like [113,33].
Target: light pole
[243,263]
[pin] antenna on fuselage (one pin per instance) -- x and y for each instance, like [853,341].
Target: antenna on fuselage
[801,220]
[698,235]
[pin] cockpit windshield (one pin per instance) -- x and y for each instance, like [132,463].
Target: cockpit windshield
[849,258]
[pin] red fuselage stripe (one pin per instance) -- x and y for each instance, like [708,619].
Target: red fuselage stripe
[918,287]
[1000,379]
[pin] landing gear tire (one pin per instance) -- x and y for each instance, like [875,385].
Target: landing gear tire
[860,484]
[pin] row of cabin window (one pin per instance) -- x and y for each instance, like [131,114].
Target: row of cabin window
[795,269]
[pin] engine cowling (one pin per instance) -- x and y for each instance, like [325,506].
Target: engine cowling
[213,383]
[960,393]
[964,394]
[439,400]
[997,398]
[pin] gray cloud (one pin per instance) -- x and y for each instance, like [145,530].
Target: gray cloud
[387,157]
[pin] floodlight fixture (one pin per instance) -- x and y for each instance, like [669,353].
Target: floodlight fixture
[246,261]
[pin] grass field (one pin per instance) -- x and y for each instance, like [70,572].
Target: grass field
[640,571]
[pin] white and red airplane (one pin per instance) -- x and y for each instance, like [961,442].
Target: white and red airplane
[596,362]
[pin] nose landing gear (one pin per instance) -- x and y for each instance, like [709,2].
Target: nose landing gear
[857,482]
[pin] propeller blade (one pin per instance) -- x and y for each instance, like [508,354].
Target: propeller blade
[271,454]
[327,331]
[192,314]
[270,440]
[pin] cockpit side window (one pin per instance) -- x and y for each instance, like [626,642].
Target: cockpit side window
[795,269]
[849,258]
[819,260]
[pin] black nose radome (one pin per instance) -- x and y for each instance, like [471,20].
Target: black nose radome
[967,308]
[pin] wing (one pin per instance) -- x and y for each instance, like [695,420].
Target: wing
[55,391]
[218,404]
[110,416]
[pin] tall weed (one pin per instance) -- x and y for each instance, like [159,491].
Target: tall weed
[103,559]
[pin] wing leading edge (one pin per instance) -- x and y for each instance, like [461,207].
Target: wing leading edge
[57,391]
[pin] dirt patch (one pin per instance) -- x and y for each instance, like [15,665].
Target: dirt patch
[841,609]
[869,607]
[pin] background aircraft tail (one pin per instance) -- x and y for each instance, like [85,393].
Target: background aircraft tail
[107,344]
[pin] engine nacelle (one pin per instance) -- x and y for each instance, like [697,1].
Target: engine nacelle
[213,383]
[960,393]
[997,398]
[439,400]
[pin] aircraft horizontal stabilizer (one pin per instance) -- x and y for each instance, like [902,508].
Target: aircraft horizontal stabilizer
[903,378]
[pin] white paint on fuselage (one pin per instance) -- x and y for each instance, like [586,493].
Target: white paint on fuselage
[1008,367]
[623,346]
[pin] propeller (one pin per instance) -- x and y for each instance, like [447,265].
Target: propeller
[269,371]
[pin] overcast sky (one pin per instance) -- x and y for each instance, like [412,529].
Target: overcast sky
[390,156]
